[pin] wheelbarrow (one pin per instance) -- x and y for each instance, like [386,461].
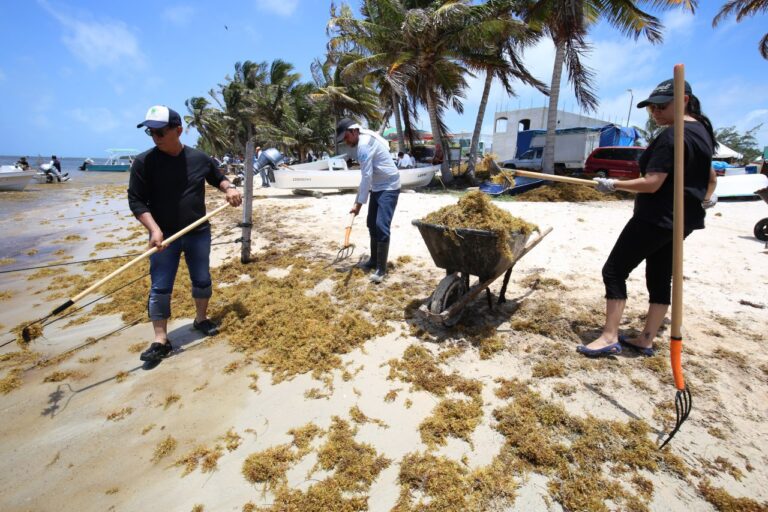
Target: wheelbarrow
[467,252]
[761,228]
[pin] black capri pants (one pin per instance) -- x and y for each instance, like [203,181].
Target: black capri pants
[641,240]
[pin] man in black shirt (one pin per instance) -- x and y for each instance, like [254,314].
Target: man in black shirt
[166,193]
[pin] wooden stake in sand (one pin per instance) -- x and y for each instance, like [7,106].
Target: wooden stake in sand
[247,224]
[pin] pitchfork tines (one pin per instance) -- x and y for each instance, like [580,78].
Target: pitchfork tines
[683,406]
[347,248]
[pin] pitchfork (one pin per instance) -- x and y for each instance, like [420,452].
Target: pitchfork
[683,400]
[347,249]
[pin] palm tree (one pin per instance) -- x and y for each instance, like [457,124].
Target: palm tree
[340,99]
[421,48]
[209,123]
[743,9]
[505,39]
[567,22]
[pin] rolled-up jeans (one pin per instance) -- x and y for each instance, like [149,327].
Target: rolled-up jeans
[163,266]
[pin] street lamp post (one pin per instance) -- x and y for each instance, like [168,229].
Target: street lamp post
[631,98]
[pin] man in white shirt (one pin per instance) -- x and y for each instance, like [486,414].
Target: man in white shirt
[379,178]
[404,161]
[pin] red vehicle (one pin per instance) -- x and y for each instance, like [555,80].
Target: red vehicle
[614,162]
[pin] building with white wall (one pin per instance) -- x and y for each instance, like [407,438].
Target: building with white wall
[507,124]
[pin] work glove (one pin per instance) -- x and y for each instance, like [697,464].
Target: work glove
[605,185]
[709,203]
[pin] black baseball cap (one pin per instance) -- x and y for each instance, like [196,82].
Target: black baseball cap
[664,93]
[160,116]
[344,125]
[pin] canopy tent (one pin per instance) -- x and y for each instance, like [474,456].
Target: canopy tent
[724,152]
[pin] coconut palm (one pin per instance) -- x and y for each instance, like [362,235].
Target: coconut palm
[421,47]
[504,39]
[743,9]
[567,22]
[340,99]
[209,123]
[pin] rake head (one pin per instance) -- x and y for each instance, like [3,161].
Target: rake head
[683,406]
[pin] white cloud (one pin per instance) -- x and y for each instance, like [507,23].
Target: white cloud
[99,43]
[279,7]
[179,14]
[97,119]
[678,23]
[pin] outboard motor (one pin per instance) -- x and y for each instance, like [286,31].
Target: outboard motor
[271,158]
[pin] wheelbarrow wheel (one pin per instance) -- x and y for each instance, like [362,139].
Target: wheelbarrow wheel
[450,290]
[761,230]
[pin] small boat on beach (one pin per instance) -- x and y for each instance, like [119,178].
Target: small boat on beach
[333,173]
[740,185]
[119,160]
[13,178]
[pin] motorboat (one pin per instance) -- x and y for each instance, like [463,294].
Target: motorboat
[119,160]
[333,173]
[13,178]
[740,185]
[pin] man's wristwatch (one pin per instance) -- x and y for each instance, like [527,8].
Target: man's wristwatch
[231,186]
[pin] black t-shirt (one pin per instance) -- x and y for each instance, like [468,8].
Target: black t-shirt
[172,188]
[657,207]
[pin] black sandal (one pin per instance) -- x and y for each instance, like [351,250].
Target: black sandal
[207,327]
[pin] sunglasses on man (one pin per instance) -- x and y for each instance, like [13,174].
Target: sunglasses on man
[158,132]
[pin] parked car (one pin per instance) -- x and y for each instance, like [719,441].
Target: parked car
[614,162]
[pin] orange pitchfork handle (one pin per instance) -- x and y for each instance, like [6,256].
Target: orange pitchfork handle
[683,400]
[348,230]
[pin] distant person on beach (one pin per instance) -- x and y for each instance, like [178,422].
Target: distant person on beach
[404,161]
[381,179]
[264,171]
[648,234]
[55,169]
[23,163]
[166,193]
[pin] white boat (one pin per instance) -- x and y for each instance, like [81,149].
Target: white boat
[334,174]
[740,185]
[12,178]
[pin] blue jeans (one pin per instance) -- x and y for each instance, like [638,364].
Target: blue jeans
[381,209]
[264,177]
[163,265]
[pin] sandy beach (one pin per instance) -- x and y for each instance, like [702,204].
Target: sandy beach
[324,392]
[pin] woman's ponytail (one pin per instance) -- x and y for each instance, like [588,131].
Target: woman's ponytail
[694,110]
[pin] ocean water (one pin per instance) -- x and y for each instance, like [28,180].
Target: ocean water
[52,199]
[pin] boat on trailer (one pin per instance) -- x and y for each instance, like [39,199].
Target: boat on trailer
[119,160]
[333,173]
[13,178]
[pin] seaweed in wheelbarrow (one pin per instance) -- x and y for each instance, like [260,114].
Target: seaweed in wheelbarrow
[476,211]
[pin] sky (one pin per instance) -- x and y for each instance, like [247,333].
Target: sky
[76,76]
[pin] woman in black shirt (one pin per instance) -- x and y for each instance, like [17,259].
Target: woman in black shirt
[648,234]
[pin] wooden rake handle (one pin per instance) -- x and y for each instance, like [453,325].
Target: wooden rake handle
[548,177]
[146,254]
[348,229]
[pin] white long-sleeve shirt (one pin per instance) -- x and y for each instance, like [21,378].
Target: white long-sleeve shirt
[378,171]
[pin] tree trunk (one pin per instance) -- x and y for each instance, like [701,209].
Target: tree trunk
[398,122]
[445,169]
[478,127]
[548,158]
